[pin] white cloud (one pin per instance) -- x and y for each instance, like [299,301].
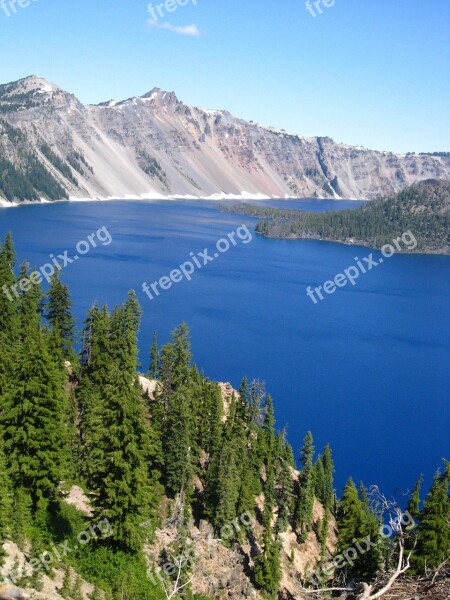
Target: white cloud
[191,30]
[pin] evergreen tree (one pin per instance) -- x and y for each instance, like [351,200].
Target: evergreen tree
[248,438]
[32,417]
[177,444]
[284,483]
[319,479]
[414,500]
[176,360]
[371,561]
[350,517]
[323,533]
[355,522]
[59,315]
[267,569]
[256,439]
[305,502]
[6,502]
[328,469]
[224,486]
[214,415]
[31,303]
[122,479]
[121,474]
[268,435]
[433,537]
[97,365]
[9,316]
[153,372]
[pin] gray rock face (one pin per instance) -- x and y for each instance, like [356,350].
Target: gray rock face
[156,145]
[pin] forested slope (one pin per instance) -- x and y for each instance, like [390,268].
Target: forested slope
[422,209]
[177,483]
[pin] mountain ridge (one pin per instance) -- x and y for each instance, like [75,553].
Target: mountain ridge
[156,146]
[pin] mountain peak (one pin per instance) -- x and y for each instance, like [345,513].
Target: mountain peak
[26,93]
[156,91]
[34,83]
[32,92]
[158,94]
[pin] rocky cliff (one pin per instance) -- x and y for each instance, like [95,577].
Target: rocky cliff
[53,147]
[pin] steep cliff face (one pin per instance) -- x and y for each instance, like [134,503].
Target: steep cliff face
[155,145]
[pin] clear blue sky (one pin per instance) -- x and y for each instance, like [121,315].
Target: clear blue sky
[368,72]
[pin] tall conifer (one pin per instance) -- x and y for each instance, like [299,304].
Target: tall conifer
[433,537]
[305,502]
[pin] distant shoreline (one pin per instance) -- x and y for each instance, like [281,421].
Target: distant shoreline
[258,197]
[356,244]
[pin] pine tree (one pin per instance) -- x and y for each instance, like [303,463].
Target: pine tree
[122,479]
[6,502]
[433,537]
[319,479]
[97,364]
[350,517]
[176,360]
[248,437]
[213,437]
[224,487]
[371,561]
[32,418]
[284,482]
[9,316]
[356,522]
[177,444]
[305,502]
[157,414]
[153,372]
[31,303]
[328,469]
[414,500]
[60,317]
[255,439]
[182,354]
[267,569]
[268,435]
[122,439]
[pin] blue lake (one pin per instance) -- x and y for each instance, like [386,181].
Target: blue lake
[367,369]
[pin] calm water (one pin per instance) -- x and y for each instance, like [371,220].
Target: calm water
[366,370]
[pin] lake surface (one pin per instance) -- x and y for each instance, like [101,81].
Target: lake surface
[366,370]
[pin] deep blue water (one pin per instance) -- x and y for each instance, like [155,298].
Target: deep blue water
[366,370]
